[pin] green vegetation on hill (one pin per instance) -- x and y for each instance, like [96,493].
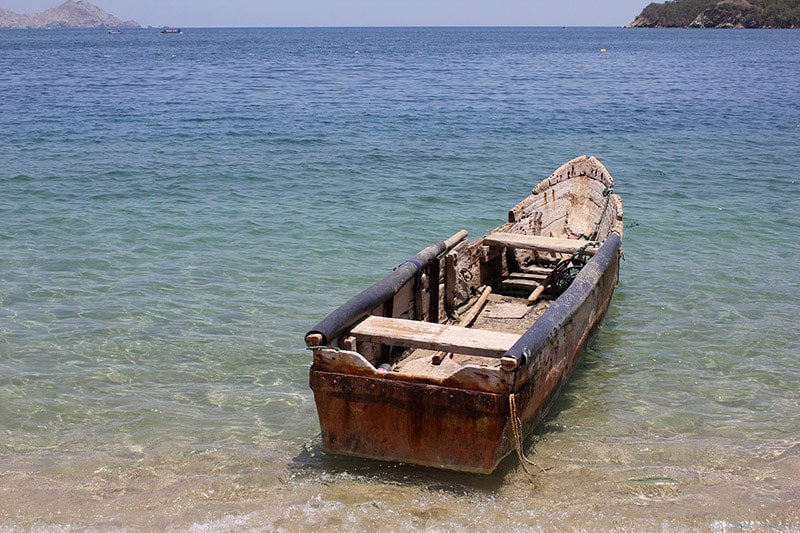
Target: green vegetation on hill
[726,13]
[676,12]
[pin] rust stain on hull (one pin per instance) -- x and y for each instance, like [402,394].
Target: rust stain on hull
[410,422]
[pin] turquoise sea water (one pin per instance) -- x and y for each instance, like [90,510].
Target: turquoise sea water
[177,210]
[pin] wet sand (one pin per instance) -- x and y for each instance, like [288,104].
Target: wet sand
[588,486]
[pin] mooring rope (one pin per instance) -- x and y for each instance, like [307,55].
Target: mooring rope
[582,249]
[607,193]
[516,428]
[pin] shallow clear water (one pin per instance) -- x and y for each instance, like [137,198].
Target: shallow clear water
[178,210]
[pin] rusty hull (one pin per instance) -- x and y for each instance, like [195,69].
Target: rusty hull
[428,425]
[383,417]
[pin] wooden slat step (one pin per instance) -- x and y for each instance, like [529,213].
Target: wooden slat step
[536,276]
[538,270]
[524,285]
[537,242]
[430,336]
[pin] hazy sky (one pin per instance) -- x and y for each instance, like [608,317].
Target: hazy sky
[233,13]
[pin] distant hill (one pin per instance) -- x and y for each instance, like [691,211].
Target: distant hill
[716,14]
[70,14]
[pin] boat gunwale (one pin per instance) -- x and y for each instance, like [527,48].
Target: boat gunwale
[360,305]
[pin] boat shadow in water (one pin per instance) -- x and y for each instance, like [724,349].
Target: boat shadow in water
[313,465]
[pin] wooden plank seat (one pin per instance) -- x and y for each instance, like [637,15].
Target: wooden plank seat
[538,242]
[431,336]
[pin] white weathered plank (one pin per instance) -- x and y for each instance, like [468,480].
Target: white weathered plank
[537,242]
[430,336]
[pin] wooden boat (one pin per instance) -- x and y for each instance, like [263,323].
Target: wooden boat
[455,357]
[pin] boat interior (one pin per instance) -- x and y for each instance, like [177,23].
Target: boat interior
[511,293]
[452,322]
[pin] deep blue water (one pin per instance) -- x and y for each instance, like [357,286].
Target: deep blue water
[177,210]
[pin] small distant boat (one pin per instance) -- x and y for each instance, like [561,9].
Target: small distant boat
[171,30]
[456,356]
[114,32]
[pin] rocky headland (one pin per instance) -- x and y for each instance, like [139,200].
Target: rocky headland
[70,14]
[720,14]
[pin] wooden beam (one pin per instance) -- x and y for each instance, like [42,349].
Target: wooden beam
[430,336]
[466,320]
[538,242]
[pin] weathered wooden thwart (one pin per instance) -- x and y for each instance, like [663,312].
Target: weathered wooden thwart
[455,357]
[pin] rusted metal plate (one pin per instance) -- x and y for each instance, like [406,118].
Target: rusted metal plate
[414,423]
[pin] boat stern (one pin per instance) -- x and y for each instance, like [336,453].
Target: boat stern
[416,423]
